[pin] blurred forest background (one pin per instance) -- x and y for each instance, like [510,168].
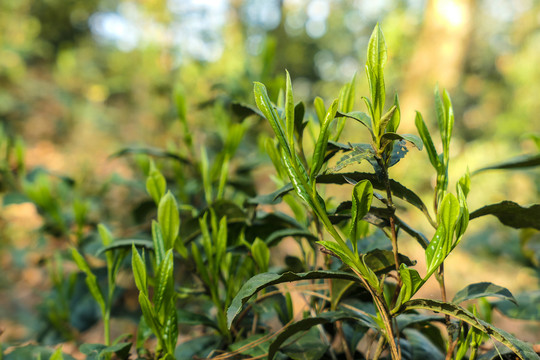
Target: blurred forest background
[80,80]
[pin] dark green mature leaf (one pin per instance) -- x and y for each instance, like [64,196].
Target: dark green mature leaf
[406,320]
[308,323]
[518,162]
[32,352]
[511,214]
[127,244]
[528,308]
[190,318]
[244,110]
[261,281]
[482,289]
[356,156]
[276,236]
[422,347]
[521,349]
[261,349]
[399,150]
[100,351]
[201,347]
[413,139]
[397,189]
[272,198]
[305,346]
[381,261]
[151,152]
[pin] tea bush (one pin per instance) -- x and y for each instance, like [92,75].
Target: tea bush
[199,262]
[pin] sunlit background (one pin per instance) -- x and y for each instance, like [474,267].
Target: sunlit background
[81,79]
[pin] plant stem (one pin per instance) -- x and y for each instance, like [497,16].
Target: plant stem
[380,348]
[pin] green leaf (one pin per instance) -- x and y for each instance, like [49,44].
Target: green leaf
[100,351]
[412,281]
[308,323]
[376,60]
[289,112]
[127,244]
[169,220]
[163,288]
[511,214]
[393,124]
[445,118]
[105,234]
[356,156]
[390,137]
[382,261]
[155,183]
[200,347]
[151,152]
[528,308]
[265,105]
[521,349]
[261,254]
[518,162]
[150,315]
[386,119]
[441,244]
[261,349]
[320,109]
[322,141]
[158,242]
[139,271]
[306,346]
[91,280]
[189,318]
[261,281]
[361,202]
[361,117]
[428,142]
[277,235]
[422,347]
[482,289]
[397,189]
[57,355]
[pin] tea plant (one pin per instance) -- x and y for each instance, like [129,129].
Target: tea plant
[395,309]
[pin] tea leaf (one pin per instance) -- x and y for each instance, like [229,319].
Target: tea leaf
[289,112]
[519,162]
[91,280]
[386,119]
[157,240]
[522,350]
[376,60]
[511,214]
[155,183]
[150,315]
[411,280]
[397,189]
[428,142]
[482,289]
[261,281]
[320,109]
[356,156]
[390,137]
[265,105]
[361,202]
[361,117]
[151,152]
[163,281]
[139,271]
[322,141]
[127,243]
[528,306]
[306,324]
[393,124]
[169,220]
[381,261]
[261,254]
